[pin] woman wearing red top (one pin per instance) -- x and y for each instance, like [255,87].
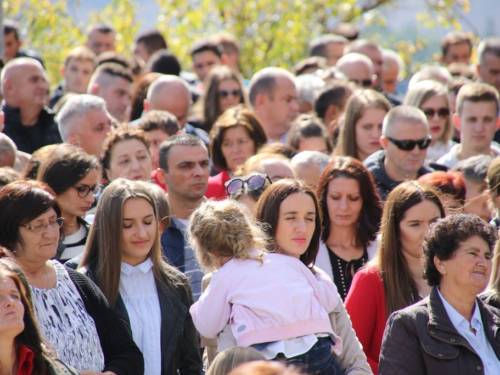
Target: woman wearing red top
[394,279]
[21,350]
[235,136]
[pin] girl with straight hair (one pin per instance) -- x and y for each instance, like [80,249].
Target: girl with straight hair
[123,257]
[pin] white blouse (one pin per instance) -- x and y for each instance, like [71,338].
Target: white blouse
[139,293]
[66,325]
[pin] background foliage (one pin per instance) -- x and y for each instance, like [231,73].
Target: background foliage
[270,32]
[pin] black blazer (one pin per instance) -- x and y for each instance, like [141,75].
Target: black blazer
[179,338]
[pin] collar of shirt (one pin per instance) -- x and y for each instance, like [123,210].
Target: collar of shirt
[144,267]
[458,320]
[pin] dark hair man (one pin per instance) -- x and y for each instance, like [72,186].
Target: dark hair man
[147,43]
[13,42]
[101,38]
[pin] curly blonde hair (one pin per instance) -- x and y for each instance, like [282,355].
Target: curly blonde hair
[221,230]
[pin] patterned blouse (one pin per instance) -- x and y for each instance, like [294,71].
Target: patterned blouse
[66,325]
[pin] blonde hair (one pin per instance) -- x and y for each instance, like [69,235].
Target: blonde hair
[230,358]
[223,230]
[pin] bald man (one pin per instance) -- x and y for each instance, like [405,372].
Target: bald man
[171,93]
[371,50]
[358,68]
[25,88]
[273,96]
[391,69]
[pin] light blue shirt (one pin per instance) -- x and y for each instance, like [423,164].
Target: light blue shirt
[139,293]
[478,341]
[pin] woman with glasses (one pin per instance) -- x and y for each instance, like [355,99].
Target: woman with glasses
[360,132]
[74,177]
[248,189]
[73,315]
[223,89]
[394,278]
[235,137]
[432,98]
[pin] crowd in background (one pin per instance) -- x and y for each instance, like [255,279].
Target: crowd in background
[155,220]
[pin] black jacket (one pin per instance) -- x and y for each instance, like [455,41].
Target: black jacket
[179,338]
[121,354]
[30,138]
[385,184]
[421,339]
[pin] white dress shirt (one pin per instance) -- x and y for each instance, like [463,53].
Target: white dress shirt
[139,293]
[478,341]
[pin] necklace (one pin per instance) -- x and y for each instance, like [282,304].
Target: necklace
[343,271]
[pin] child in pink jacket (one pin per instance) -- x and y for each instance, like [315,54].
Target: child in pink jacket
[273,302]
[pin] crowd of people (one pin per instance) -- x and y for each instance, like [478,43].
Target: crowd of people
[155,220]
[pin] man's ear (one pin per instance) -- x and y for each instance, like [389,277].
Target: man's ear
[383,141]
[146,105]
[456,122]
[498,122]
[260,100]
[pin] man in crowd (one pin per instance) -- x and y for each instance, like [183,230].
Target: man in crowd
[25,89]
[230,49]
[329,46]
[206,54]
[184,169]
[474,170]
[357,68]
[488,57]
[330,103]
[309,166]
[113,83]
[273,96]
[101,38]
[84,121]
[171,93]
[405,138]
[456,47]
[477,120]
[13,42]
[79,65]
[147,43]
[371,50]
[392,67]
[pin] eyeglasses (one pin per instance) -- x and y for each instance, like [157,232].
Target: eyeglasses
[84,190]
[363,82]
[225,94]
[441,112]
[253,182]
[409,145]
[56,224]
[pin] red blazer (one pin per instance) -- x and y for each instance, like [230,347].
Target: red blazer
[365,304]
[216,188]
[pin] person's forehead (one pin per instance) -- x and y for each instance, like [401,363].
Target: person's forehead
[80,63]
[285,85]
[357,69]
[119,83]
[205,56]
[408,130]
[193,154]
[491,59]
[374,53]
[483,108]
[96,34]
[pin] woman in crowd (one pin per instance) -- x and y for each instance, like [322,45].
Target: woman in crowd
[394,279]
[74,177]
[309,133]
[452,189]
[235,137]
[90,337]
[361,129]
[275,166]
[126,154]
[21,348]
[123,257]
[232,357]
[351,211]
[451,331]
[286,208]
[223,89]
[432,98]
[248,189]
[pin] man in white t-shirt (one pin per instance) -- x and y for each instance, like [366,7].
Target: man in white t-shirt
[477,120]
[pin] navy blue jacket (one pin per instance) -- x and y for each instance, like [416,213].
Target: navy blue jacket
[172,244]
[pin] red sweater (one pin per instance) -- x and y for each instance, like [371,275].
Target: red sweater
[216,188]
[365,304]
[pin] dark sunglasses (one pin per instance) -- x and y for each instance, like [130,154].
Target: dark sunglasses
[84,190]
[362,83]
[225,94]
[409,145]
[441,112]
[253,182]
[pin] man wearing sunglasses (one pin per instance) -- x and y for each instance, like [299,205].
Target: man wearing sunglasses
[358,68]
[405,138]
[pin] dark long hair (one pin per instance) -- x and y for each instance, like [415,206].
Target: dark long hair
[268,209]
[30,336]
[371,212]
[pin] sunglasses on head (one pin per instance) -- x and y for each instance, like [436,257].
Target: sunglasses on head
[441,112]
[253,182]
[363,82]
[225,94]
[409,145]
